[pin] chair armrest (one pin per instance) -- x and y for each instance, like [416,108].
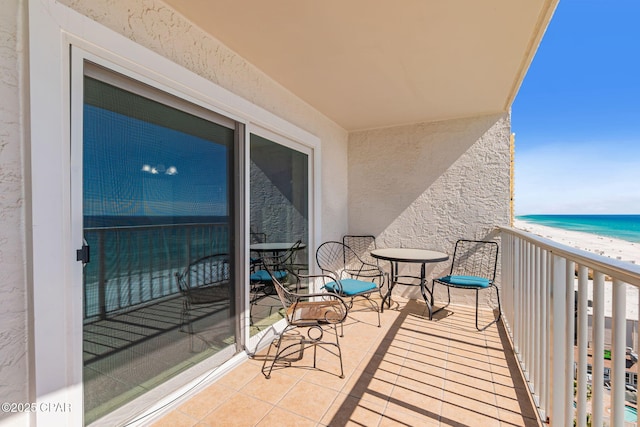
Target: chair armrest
[330,302]
[326,294]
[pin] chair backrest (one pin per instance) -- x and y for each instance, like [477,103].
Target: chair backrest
[287,298]
[361,246]
[280,261]
[331,257]
[210,270]
[475,258]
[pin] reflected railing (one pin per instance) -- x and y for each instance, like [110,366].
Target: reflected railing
[133,266]
[572,318]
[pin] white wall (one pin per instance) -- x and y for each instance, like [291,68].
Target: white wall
[14,364]
[429,184]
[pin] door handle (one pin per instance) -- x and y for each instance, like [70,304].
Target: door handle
[84,254]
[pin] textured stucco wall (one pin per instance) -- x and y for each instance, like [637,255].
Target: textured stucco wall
[14,364]
[426,185]
[152,24]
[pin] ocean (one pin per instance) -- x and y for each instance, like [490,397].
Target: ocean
[624,227]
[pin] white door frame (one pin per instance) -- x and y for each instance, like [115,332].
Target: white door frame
[55,275]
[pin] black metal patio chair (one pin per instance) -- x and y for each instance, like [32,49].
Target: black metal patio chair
[473,267]
[270,265]
[312,314]
[343,278]
[204,282]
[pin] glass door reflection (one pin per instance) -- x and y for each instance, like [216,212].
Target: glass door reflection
[279,217]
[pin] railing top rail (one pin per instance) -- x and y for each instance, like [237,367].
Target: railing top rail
[154,226]
[621,270]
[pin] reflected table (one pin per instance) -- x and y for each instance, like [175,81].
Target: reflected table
[273,247]
[395,256]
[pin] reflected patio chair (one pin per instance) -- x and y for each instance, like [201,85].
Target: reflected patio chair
[343,278]
[313,314]
[362,245]
[204,282]
[473,267]
[254,259]
[262,285]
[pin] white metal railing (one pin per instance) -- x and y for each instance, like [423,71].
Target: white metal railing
[545,301]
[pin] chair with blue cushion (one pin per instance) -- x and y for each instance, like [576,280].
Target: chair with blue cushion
[262,285]
[254,259]
[362,245]
[342,278]
[473,267]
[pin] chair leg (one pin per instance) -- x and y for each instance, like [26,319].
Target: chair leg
[375,307]
[433,285]
[499,310]
[315,342]
[335,329]
[184,316]
[275,357]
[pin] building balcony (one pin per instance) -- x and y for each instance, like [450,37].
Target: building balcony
[411,371]
[523,371]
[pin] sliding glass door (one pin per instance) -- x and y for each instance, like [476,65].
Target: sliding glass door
[159,285]
[279,217]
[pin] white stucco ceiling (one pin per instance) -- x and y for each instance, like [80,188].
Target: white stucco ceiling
[378,63]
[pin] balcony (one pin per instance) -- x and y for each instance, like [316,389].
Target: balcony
[411,371]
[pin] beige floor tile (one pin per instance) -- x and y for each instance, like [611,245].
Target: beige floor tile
[175,419]
[239,410]
[415,395]
[509,418]
[270,390]
[240,376]
[308,399]
[379,381]
[395,415]
[349,411]
[455,414]
[278,417]
[206,401]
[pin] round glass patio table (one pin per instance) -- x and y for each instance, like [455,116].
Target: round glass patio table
[395,256]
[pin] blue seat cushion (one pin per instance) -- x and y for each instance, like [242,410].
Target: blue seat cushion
[263,276]
[466,281]
[351,287]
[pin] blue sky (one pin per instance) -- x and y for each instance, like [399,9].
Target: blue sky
[577,114]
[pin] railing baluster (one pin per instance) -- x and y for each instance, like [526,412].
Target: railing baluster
[102,279]
[583,337]
[619,329]
[558,337]
[597,371]
[545,344]
[569,312]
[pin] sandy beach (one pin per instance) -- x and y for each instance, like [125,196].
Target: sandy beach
[606,246]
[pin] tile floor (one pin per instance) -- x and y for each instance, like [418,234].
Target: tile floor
[409,372]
